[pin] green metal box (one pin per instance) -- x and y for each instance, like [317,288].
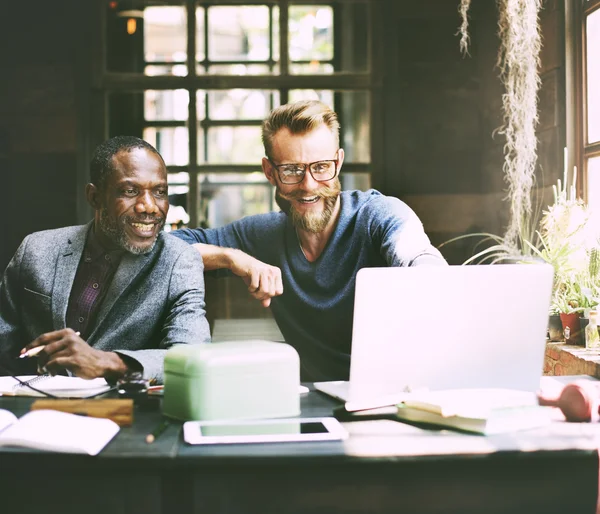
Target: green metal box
[231,380]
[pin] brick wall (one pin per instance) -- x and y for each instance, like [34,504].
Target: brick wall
[564,359]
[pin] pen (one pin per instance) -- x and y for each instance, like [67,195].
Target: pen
[31,353]
[150,438]
[34,351]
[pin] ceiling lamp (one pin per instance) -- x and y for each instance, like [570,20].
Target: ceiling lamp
[132,16]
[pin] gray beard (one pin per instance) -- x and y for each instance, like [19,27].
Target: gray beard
[311,222]
[116,233]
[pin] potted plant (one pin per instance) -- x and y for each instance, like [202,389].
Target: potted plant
[565,302]
[567,238]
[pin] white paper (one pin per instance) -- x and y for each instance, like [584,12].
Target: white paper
[57,431]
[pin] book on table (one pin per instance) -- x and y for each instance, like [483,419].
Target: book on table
[58,386]
[56,431]
[481,411]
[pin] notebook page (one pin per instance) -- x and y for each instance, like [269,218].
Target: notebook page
[61,386]
[7,418]
[60,431]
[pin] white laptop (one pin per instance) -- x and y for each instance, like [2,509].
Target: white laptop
[446,327]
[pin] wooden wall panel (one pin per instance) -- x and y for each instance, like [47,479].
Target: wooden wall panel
[38,120]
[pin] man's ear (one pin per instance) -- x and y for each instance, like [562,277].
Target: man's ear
[92,193]
[340,159]
[269,171]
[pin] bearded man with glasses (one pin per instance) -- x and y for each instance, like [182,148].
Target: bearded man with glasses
[303,262]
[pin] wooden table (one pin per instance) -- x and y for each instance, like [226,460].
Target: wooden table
[383,467]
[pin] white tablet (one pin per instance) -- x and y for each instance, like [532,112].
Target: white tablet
[263,431]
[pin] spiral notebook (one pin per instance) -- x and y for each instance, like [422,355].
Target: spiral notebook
[59,386]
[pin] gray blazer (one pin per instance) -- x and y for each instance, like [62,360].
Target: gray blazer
[154,300]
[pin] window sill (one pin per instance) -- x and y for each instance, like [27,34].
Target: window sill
[567,359]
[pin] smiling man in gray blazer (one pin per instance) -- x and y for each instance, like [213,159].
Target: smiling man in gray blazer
[110,296]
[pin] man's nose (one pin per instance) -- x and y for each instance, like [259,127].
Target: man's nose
[146,203]
[308,181]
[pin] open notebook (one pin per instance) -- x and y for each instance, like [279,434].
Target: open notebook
[56,431]
[59,386]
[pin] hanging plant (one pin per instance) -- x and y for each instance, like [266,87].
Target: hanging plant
[464,26]
[518,61]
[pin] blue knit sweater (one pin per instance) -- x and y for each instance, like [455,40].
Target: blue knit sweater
[314,313]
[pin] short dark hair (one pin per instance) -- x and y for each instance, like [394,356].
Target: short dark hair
[102,160]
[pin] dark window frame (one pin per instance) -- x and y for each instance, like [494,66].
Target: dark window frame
[106,82]
[584,150]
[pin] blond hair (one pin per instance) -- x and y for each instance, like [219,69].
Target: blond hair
[299,118]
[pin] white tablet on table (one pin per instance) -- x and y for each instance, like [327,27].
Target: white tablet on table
[263,431]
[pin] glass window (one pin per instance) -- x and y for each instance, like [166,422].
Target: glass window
[361,181]
[240,104]
[165,40]
[593,175]
[589,143]
[238,33]
[200,31]
[235,83]
[312,68]
[235,145]
[166,105]
[240,69]
[177,216]
[226,197]
[325,96]
[593,76]
[171,143]
[311,32]
[353,111]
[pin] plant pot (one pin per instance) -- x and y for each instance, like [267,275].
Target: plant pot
[571,321]
[555,328]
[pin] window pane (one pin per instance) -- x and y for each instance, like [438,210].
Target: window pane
[224,198]
[354,115]
[165,35]
[353,111]
[200,50]
[201,148]
[176,70]
[593,76]
[238,33]
[352,36]
[275,34]
[240,104]
[593,183]
[201,104]
[235,145]
[171,143]
[311,32]
[177,216]
[241,69]
[325,96]
[314,68]
[361,181]
[166,105]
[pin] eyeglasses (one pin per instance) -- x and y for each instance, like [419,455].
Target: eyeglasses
[293,173]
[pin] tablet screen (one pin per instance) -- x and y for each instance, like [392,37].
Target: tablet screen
[263,431]
[270,428]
